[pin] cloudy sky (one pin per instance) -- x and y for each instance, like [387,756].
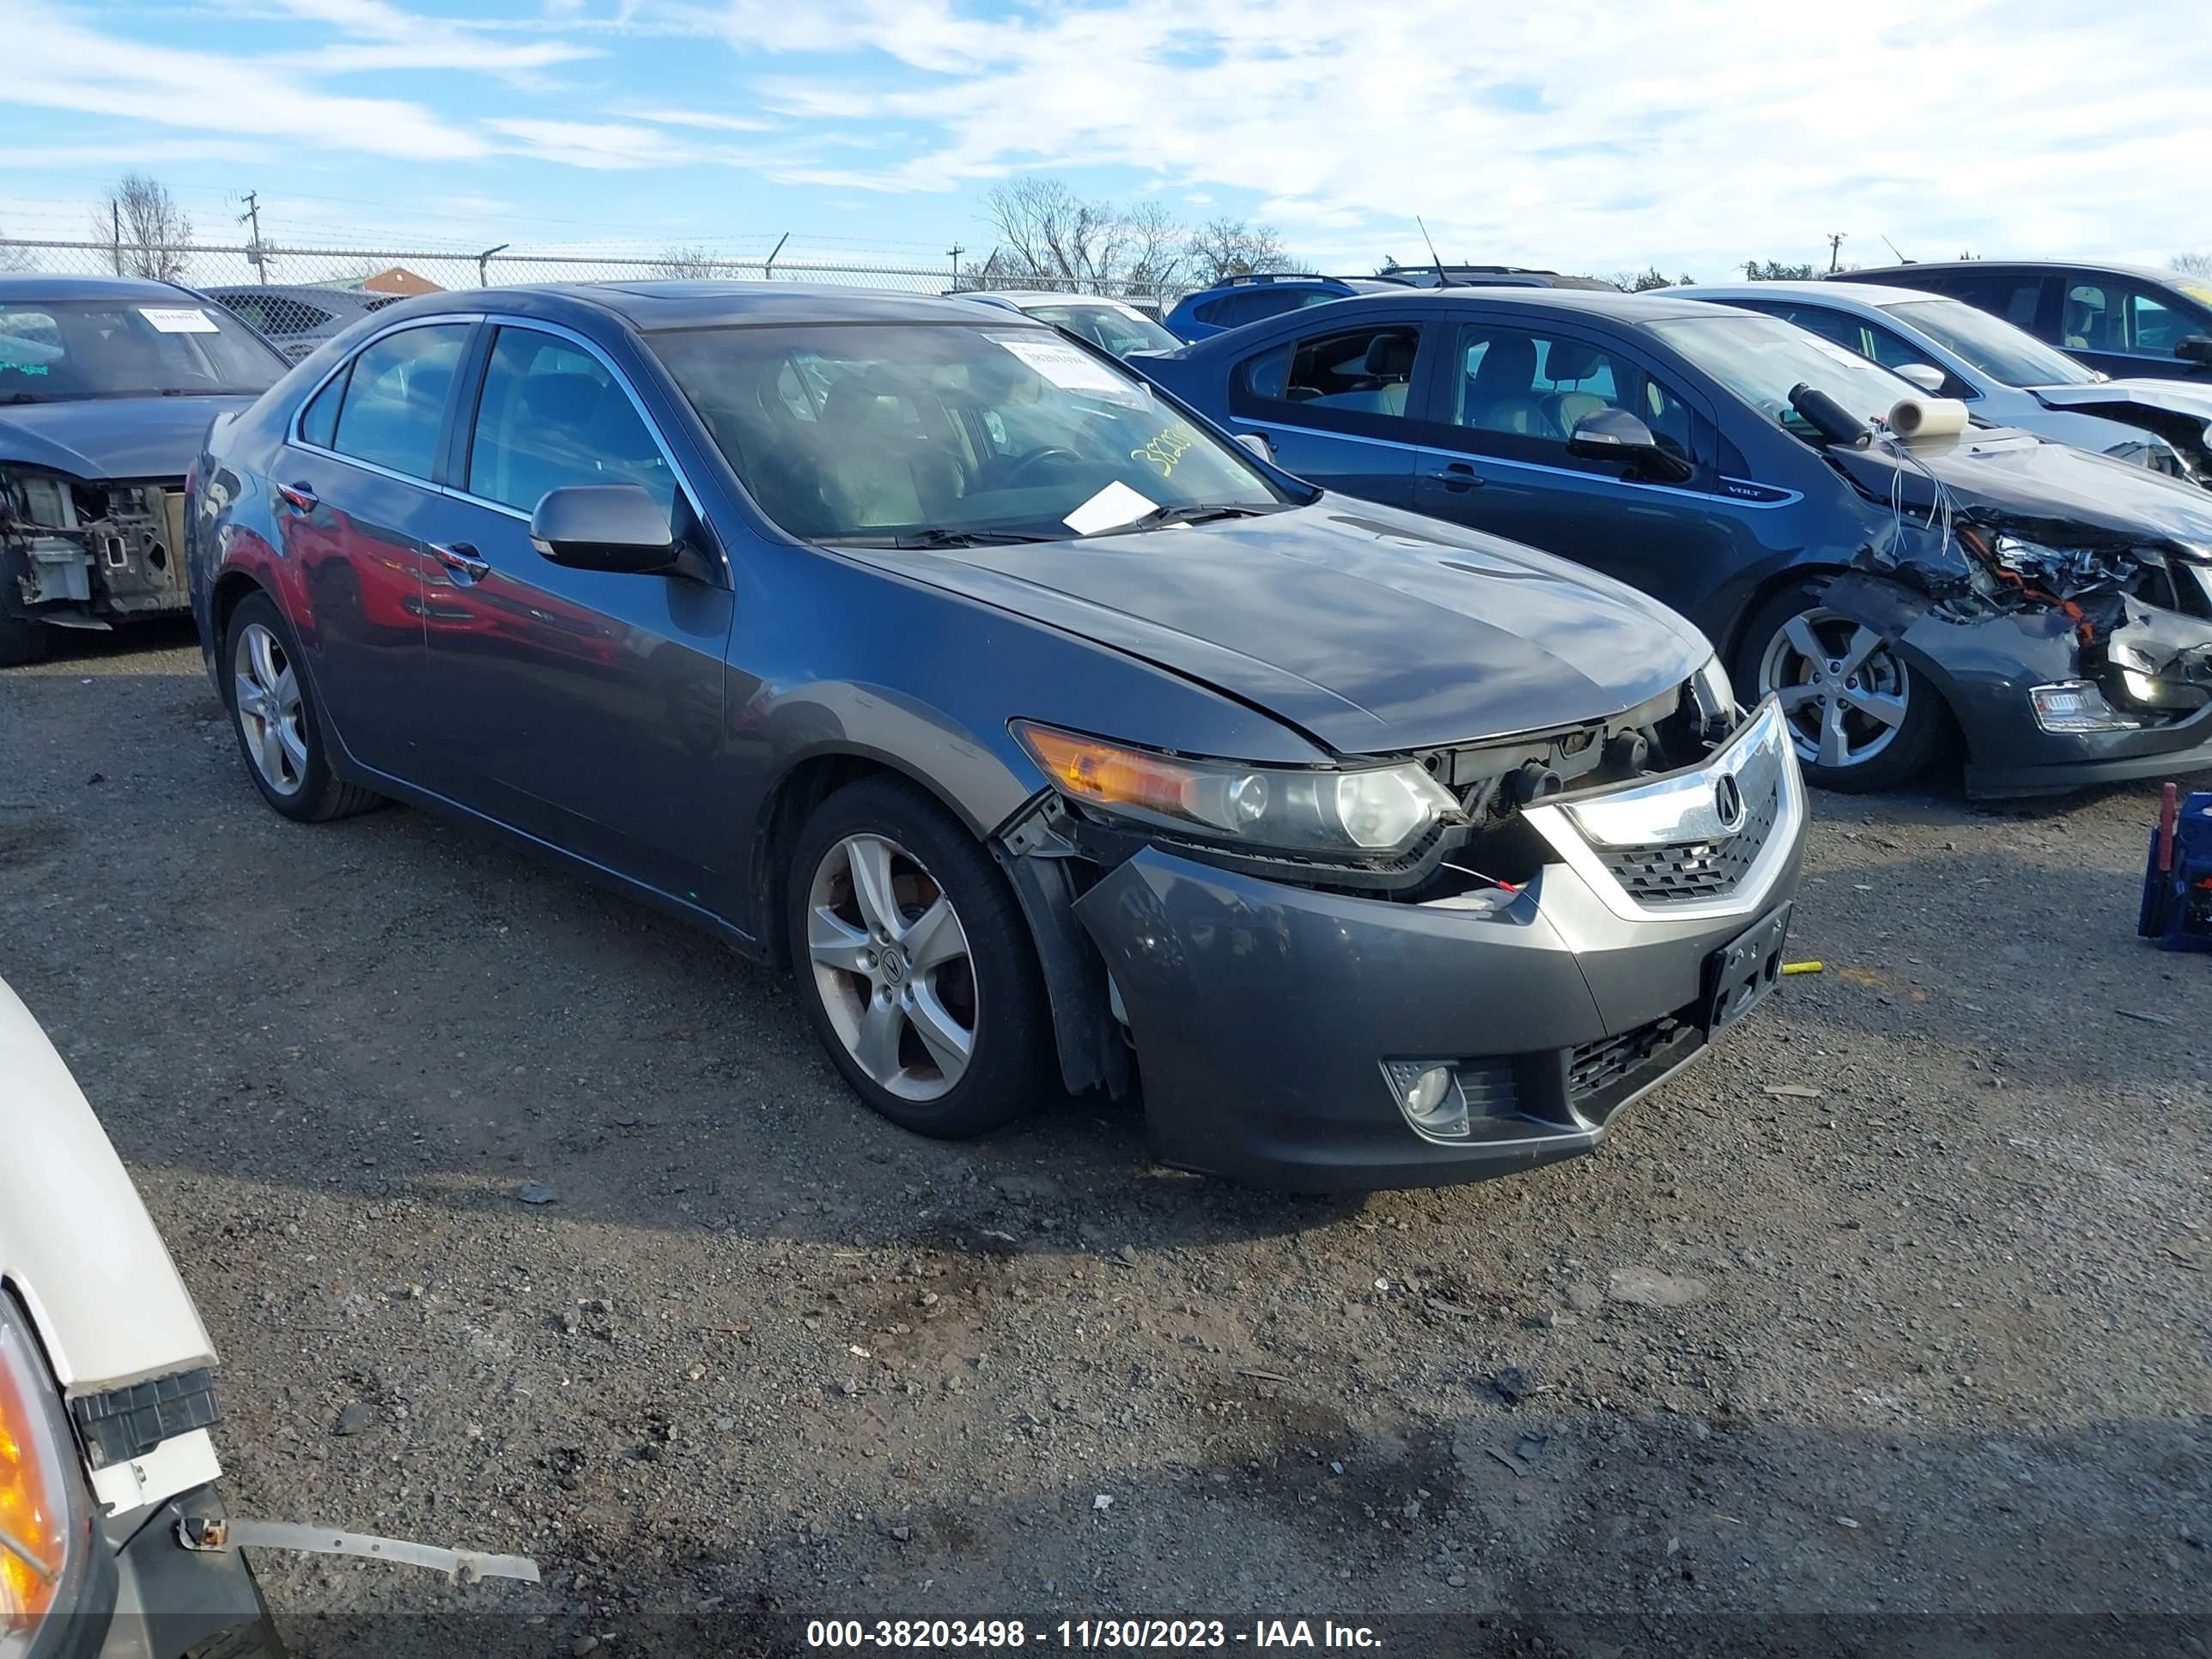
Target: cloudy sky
[1587,136]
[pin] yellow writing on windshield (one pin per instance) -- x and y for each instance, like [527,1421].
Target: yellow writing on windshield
[1167,447]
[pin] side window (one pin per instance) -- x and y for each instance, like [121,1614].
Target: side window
[2018,302]
[1526,392]
[2154,327]
[319,421]
[552,414]
[1318,380]
[395,398]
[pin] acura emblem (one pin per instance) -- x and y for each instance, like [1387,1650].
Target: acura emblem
[1727,802]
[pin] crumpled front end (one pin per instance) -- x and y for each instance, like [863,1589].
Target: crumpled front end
[1490,1014]
[2073,647]
[89,554]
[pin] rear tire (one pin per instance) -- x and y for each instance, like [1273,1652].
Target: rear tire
[1862,719]
[279,727]
[23,641]
[915,963]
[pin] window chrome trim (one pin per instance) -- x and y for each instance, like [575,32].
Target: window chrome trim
[1787,497]
[496,319]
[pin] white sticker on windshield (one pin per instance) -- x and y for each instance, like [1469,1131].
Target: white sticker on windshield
[179,319]
[1069,368]
[1114,506]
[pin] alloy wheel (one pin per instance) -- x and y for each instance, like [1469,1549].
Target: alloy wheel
[265,691]
[1844,693]
[891,964]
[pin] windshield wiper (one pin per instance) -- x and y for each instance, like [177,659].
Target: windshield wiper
[1196,513]
[940,539]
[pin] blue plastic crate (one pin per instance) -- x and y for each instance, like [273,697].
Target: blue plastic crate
[2177,898]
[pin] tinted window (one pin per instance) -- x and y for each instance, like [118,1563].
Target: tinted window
[1513,382]
[319,421]
[1118,331]
[1361,371]
[2106,314]
[395,398]
[550,414]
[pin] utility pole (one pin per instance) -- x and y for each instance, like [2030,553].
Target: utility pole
[115,218]
[254,256]
[1835,249]
[953,253]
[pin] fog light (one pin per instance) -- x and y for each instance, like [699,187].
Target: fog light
[2147,691]
[2076,706]
[1429,1095]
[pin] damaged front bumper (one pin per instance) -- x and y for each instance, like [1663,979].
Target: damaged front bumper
[79,554]
[1281,1030]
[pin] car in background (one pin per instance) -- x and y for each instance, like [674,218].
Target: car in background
[106,386]
[2126,320]
[296,318]
[1491,277]
[106,1395]
[1043,730]
[2004,375]
[1112,326]
[2056,605]
[1207,312]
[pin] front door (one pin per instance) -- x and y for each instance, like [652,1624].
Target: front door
[356,508]
[2131,330]
[584,707]
[1501,407]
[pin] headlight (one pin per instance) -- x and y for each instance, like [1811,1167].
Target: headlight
[1375,810]
[45,1527]
[1714,691]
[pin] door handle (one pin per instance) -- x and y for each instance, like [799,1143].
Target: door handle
[1458,475]
[462,557]
[298,497]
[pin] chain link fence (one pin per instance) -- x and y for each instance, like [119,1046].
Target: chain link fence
[423,271]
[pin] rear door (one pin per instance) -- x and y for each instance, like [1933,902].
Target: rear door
[1337,400]
[584,707]
[1508,391]
[356,507]
[2129,328]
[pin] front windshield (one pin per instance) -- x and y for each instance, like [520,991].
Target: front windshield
[1117,331]
[883,432]
[1762,359]
[58,351]
[1992,344]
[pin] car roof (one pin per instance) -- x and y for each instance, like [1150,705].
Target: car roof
[1866,294]
[300,290]
[1650,307]
[707,303]
[2147,273]
[35,285]
[1019,297]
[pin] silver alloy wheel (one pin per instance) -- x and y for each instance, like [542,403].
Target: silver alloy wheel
[891,965]
[1843,692]
[265,689]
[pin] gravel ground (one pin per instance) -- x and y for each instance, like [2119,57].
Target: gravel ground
[1896,1306]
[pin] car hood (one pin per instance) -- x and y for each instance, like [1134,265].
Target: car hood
[95,438]
[2175,411]
[1371,630]
[2004,476]
[75,1242]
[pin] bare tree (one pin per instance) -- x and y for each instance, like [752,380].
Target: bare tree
[1156,248]
[2193,264]
[1222,248]
[688,262]
[149,231]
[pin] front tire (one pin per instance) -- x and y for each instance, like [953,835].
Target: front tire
[915,963]
[1862,720]
[272,710]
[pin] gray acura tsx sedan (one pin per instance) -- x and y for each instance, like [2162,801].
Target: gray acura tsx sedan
[1054,740]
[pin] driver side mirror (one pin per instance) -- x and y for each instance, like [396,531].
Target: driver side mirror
[2195,349]
[1929,377]
[618,527]
[1257,443]
[1614,434]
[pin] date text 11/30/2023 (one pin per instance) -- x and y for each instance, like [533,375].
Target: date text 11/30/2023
[1085,1635]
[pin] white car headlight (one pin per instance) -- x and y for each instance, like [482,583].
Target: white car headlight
[45,1525]
[1377,810]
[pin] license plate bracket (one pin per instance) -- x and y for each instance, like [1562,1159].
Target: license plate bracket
[1744,973]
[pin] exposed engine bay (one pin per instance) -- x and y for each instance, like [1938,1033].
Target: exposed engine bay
[88,554]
